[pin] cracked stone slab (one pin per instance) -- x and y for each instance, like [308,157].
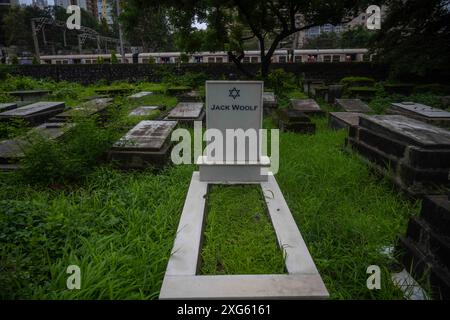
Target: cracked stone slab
[143,111]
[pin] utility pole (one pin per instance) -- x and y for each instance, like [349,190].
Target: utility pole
[122,52]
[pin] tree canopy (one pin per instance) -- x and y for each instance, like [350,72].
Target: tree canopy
[231,23]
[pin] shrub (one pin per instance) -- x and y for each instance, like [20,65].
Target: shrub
[100,60]
[35,61]
[184,58]
[114,59]
[281,82]
[49,161]
[151,60]
[433,88]
[358,82]
[14,59]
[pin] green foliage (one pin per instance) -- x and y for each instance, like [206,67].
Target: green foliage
[281,82]
[35,61]
[48,161]
[434,88]
[184,58]
[114,59]
[358,82]
[189,79]
[14,59]
[151,60]
[100,60]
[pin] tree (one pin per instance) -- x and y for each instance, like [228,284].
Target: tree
[415,36]
[233,22]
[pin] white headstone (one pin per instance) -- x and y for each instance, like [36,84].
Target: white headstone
[235,105]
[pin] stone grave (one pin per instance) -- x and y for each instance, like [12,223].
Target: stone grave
[413,154]
[334,92]
[321,92]
[177,90]
[27,95]
[94,107]
[35,113]
[343,120]
[353,105]
[294,120]
[12,151]
[146,145]
[421,112]
[190,96]
[307,106]
[270,102]
[187,112]
[425,250]
[7,106]
[140,95]
[309,86]
[143,111]
[235,105]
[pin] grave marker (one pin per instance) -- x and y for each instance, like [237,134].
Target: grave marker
[147,144]
[230,106]
[140,95]
[7,106]
[294,120]
[421,112]
[143,111]
[343,120]
[414,154]
[187,112]
[270,102]
[353,105]
[307,106]
[29,94]
[87,109]
[35,113]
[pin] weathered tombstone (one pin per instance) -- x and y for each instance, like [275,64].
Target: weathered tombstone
[270,103]
[146,145]
[353,105]
[320,92]
[177,90]
[143,111]
[140,95]
[187,112]
[307,106]
[35,113]
[12,151]
[87,109]
[421,112]
[29,94]
[7,106]
[343,120]
[425,250]
[294,120]
[309,86]
[334,92]
[191,96]
[230,106]
[414,154]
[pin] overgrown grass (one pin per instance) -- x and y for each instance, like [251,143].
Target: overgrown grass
[239,237]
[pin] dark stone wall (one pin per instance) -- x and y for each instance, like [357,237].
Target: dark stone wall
[90,73]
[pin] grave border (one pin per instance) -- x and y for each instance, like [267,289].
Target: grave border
[181,280]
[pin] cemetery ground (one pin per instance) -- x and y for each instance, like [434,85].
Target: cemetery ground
[67,206]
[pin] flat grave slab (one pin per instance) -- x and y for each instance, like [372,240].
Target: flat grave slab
[308,106]
[29,94]
[87,109]
[421,112]
[187,112]
[140,95]
[353,105]
[294,120]
[143,111]
[7,106]
[147,144]
[35,113]
[343,120]
[12,151]
[414,154]
[190,96]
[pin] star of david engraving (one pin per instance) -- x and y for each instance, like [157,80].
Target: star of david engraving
[234,93]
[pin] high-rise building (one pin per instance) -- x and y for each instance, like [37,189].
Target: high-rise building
[105,11]
[40,3]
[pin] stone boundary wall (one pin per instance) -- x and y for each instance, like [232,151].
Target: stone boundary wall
[90,73]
